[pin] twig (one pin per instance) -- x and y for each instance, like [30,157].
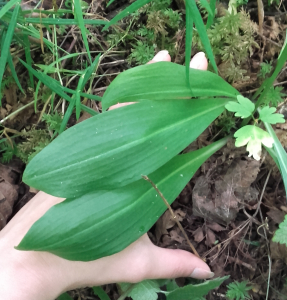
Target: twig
[172,214]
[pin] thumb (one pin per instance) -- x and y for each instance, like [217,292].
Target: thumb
[173,263]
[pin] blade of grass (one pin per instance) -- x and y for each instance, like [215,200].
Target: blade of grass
[29,60]
[269,82]
[13,71]
[50,21]
[78,98]
[7,7]
[98,291]
[5,48]
[202,32]
[81,24]
[188,42]
[127,11]
[210,18]
[280,153]
[207,7]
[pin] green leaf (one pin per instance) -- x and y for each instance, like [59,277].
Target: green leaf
[210,18]
[29,60]
[201,31]
[253,136]
[280,153]
[127,11]
[188,43]
[238,290]
[70,22]
[92,226]
[243,108]
[114,149]
[81,24]
[266,114]
[164,80]
[7,7]
[281,233]
[191,292]
[268,83]
[98,291]
[5,47]
[144,290]
[65,296]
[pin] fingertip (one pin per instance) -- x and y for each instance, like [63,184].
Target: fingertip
[199,62]
[162,55]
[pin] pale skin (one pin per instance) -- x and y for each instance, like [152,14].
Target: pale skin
[31,275]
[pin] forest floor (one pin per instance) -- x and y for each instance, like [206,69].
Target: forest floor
[233,204]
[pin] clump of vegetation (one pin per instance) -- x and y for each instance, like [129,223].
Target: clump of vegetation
[232,42]
[152,28]
[238,290]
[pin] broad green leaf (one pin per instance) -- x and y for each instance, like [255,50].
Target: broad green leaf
[81,24]
[164,80]
[201,31]
[188,43]
[5,47]
[7,7]
[280,153]
[266,114]
[243,108]
[105,222]
[114,149]
[127,11]
[191,292]
[281,233]
[98,291]
[253,136]
[144,290]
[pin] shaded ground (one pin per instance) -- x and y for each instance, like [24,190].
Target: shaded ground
[233,204]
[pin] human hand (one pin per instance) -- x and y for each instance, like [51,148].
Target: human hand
[43,276]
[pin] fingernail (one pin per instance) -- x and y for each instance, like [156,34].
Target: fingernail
[197,60]
[201,274]
[160,56]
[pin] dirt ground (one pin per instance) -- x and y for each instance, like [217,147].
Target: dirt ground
[233,204]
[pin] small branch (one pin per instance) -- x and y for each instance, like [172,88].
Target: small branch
[172,214]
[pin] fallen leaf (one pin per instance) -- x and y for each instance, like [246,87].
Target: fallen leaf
[210,238]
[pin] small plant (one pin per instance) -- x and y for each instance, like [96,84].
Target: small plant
[238,291]
[265,69]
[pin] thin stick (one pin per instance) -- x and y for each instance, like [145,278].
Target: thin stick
[172,214]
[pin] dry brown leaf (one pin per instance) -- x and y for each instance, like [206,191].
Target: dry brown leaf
[215,227]
[198,235]
[175,236]
[276,215]
[278,251]
[210,238]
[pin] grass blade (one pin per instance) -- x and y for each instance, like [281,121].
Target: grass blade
[127,11]
[269,82]
[7,7]
[29,60]
[280,153]
[188,42]
[210,18]
[98,291]
[13,71]
[50,21]
[5,48]
[201,31]
[81,24]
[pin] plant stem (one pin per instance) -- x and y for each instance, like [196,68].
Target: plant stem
[172,214]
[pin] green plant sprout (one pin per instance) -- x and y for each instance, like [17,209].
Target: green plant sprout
[253,135]
[238,290]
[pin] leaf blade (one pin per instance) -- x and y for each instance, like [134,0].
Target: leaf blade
[100,214]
